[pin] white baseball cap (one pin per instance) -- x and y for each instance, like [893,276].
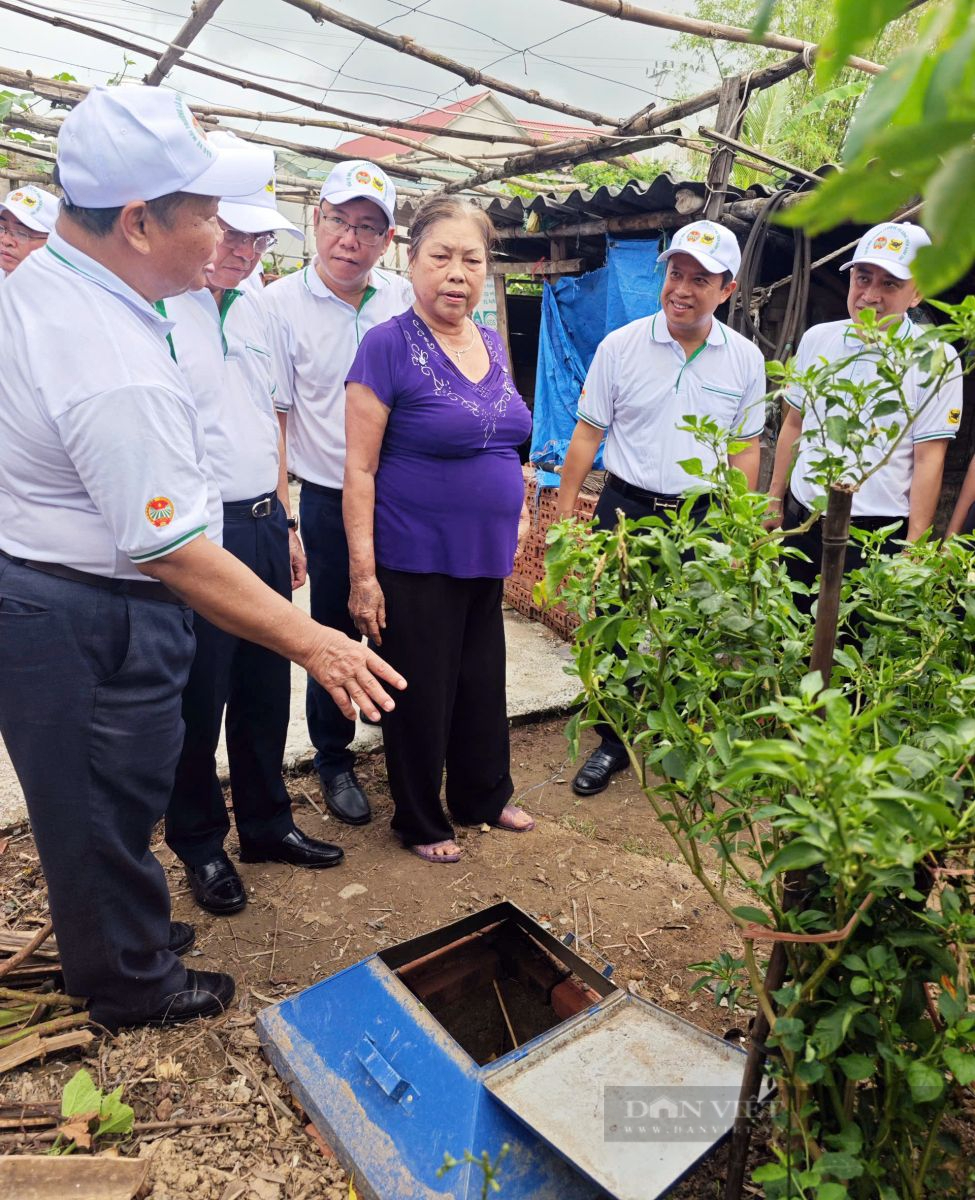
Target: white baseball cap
[139,143]
[891,246]
[34,207]
[360,179]
[713,246]
[257,212]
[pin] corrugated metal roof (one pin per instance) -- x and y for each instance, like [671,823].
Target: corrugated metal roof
[555,208]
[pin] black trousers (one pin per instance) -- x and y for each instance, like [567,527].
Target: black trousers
[253,685]
[811,544]
[634,509]
[446,636]
[323,535]
[90,684]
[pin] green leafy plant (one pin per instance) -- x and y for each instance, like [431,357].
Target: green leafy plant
[490,1169]
[89,1115]
[837,819]
[912,134]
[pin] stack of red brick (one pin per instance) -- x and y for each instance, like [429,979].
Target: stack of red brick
[530,567]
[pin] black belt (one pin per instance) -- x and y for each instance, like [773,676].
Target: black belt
[653,499]
[320,488]
[796,511]
[260,506]
[141,589]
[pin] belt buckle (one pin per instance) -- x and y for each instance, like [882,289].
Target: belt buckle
[658,503]
[262,508]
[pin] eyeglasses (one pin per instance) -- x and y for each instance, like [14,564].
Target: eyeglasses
[250,243]
[20,235]
[365,235]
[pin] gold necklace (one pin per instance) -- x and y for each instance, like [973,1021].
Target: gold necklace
[461,353]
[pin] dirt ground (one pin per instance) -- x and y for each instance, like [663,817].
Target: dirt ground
[599,867]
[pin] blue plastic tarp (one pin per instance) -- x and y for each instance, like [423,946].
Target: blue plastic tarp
[577,313]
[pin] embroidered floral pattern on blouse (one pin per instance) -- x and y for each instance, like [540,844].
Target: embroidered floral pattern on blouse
[487,410]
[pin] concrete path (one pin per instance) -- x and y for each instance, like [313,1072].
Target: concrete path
[537,686]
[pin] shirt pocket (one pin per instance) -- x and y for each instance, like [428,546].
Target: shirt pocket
[720,403]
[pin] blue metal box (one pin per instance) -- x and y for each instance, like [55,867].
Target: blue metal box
[393,1080]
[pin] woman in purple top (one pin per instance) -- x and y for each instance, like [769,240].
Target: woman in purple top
[432,498]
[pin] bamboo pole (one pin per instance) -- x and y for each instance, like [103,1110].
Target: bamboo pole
[200,13]
[650,118]
[710,29]
[836,535]
[321,13]
[64,92]
[734,144]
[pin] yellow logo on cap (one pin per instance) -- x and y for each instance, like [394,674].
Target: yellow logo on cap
[895,245]
[708,239]
[160,511]
[269,186]
[363,177]
[954,416]
[378,184]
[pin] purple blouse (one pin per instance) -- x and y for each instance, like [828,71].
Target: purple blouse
[449,488]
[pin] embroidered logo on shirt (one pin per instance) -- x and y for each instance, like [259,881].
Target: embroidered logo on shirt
[160,511]
[954,416]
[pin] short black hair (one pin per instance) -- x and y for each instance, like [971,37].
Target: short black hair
[726,278]
[101,221]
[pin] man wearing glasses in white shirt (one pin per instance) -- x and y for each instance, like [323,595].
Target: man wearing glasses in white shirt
[323,312]
[27,216]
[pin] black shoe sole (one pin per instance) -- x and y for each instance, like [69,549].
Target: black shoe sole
[348,820]
[226,910]
[260,858]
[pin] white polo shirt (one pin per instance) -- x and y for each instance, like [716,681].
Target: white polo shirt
[887,493]
[321,336]
[102,457]
[227,358]
[641,385]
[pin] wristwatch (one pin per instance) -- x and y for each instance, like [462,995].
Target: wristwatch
[292,523]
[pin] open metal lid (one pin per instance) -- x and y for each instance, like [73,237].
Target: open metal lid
[629,1094]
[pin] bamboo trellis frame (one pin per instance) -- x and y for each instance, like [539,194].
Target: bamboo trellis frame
[610,137]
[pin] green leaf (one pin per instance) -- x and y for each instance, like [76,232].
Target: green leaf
[948,218]
[114,1116]
[80,1095]
[693,466]
[757,915]
[857,1066]
[832,1029]
[899,86]
[832,1191]
[961,1065]
[853,25]
[795,856]
[925,1082]
[840,1164]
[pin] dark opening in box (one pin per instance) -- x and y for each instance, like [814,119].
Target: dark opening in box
[504,981]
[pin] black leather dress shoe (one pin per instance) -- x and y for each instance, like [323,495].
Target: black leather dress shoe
[345,799]
[181,937]
[595,773]
[216,886]
[295,848]
[205,994]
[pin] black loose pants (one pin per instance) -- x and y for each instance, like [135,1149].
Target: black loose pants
[253,685]
[446,636]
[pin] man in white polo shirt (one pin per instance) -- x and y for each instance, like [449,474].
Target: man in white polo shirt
[105,498]
[324,310]
[904,491]
[643,380]
[27,216]
[222,341]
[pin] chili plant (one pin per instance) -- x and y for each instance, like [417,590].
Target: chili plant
[861,787]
